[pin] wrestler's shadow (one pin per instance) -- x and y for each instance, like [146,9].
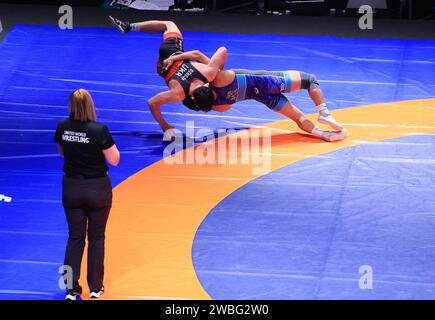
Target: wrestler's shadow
[140,142]
[139,134]
[152,143]
[294,138]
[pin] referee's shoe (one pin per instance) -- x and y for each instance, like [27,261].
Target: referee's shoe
[96,294]
[73,295]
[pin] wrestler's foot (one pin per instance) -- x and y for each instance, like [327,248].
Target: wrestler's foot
[122,26]
[326,118]
[335,135]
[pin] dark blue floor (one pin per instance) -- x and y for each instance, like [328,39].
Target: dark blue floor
[41,65]
[308,228]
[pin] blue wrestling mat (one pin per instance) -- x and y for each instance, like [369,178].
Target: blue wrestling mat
[306,228]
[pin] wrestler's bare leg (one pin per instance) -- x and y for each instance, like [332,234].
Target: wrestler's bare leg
[292,112]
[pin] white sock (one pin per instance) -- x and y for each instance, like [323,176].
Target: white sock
[323,109]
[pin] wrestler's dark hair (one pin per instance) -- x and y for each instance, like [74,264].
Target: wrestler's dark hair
[204,98]
[190,103]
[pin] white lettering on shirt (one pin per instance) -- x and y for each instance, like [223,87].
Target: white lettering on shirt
[184,72]
[72,136]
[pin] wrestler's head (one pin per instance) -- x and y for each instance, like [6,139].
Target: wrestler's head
[203,97]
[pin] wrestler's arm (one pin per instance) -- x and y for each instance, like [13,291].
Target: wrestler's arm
[219,58]
[160,99]
[216,63]
[194,55]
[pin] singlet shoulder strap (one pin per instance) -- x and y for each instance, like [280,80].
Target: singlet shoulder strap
[185,74]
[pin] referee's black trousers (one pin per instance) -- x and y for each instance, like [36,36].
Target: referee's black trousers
[87,204]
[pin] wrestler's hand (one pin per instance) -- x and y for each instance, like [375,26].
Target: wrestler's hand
[167,63]
[169,134]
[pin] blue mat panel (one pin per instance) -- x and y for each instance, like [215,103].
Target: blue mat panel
[322,219]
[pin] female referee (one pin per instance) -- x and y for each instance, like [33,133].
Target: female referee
[86,145]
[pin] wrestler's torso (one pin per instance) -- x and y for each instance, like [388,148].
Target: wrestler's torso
[188,75]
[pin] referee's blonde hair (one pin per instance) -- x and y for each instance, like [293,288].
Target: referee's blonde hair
[81,106]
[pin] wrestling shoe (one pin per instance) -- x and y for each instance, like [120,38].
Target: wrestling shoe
[122,26]
[326,118]
[334,136]
[96,294]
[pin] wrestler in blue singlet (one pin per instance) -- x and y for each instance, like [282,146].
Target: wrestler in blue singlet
[266,88]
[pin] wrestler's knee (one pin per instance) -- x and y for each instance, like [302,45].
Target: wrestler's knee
[171,26]
[309,81]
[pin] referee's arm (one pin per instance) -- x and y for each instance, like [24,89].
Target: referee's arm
[59,149]
[112,155]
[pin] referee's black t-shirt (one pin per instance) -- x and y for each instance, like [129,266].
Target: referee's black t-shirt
[82,144]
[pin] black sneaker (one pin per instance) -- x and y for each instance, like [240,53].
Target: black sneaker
[74,293]
[122,26]
[96,294]
[73,296]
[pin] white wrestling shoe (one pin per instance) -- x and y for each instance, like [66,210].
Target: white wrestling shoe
[327,118]
[334,136]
